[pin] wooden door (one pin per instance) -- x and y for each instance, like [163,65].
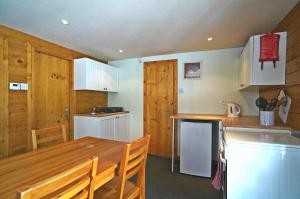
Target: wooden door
[51,91]
[160,102]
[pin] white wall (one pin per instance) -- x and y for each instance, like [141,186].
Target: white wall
[219,83]
[130,94]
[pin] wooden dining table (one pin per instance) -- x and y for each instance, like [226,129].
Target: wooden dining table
[32,167]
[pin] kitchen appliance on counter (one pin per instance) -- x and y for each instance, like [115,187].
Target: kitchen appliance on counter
[233,109]
[97,110]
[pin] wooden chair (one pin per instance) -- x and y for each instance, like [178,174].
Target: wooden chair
[133,163]
[47,136]
[74,183]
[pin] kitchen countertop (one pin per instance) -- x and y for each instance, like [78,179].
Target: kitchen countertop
[100,114]
[240,122]
[268,139]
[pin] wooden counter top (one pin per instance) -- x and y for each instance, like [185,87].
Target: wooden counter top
[100,114]
[240,122]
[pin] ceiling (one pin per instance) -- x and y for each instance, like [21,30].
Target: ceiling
[144,27]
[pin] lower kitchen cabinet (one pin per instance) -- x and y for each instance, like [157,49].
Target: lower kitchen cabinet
[86,126]
[262,171]
[114,127]
[121,125]
[107,127]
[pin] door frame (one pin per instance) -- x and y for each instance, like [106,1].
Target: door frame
[175,90]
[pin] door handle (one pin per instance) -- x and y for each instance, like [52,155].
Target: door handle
[67,114]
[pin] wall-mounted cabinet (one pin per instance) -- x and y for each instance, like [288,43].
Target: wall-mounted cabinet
[251,73]
[110,78]
[92,75]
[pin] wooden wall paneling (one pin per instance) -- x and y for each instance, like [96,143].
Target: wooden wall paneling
[17,114]
[291,24]
[160,102]
[85,100]
[5,98]
[292,79]
[4,127]
[1,98]
[17,117]
[293,66]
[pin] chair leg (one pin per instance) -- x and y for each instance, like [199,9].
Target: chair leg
[143,186]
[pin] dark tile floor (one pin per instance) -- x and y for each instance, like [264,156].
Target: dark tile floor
[162,184]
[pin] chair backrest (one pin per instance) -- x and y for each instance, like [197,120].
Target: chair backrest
[76,182]
[133,163]
[48,136]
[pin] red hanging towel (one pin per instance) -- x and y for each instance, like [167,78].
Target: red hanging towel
[269,48]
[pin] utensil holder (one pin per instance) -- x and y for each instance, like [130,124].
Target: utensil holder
[266,118]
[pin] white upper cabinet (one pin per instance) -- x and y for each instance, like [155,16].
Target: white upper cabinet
[92,75]
[251,73]
[110,78]
[87,74]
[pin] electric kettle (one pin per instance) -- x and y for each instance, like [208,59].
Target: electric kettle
[233,109]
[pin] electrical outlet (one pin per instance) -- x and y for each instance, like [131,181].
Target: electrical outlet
[180,90]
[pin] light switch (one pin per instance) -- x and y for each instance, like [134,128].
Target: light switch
[14,86]
[24,86]
[180,90]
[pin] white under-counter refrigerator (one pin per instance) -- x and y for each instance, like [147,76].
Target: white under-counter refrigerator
[196,148]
